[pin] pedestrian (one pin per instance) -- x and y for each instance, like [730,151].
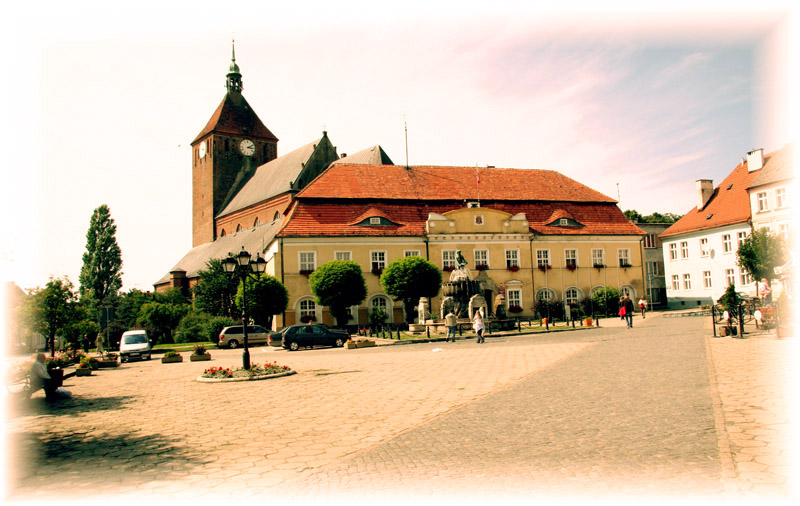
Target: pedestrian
[642,306]
[765,291]
[41,378]
[99,344]
[478,325]
[622,308]
[628,306]
[450,321]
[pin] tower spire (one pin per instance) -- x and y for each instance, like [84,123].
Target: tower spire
[234,82]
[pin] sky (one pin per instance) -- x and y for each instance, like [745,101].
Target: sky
[102,101]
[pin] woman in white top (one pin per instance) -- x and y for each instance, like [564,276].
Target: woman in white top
[478,325]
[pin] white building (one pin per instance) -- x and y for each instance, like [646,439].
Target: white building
[700,248]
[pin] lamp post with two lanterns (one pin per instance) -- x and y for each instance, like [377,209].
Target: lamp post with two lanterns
[243,266]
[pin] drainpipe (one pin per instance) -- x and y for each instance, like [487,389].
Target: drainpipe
[283,279]
[533,285]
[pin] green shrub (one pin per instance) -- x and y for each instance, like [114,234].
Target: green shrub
[192,328]
[215,326]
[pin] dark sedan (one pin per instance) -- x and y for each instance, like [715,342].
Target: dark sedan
[303,336]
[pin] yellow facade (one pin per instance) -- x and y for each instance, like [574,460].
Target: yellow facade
[486,238]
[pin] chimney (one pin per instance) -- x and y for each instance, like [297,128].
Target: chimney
[705,188]
[755,160]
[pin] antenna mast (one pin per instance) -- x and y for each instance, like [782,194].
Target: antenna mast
[405,127]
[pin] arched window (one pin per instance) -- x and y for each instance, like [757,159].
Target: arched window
[546,294]
[628,290]
[573,295]
[257,222]
[308,310]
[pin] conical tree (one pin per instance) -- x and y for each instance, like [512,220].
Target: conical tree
[101,274]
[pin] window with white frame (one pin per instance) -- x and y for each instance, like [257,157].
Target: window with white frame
[652,268]
[706,279]
[598,257]
[571,257]
[684,249]
[624,257]
[704,247]
[378,259]
[411,253]
[380,303]
[546,294]
[308,308]
[780,198]
[374,220]
[650,241]
[572,295]
[673,251]
[730,277]
[783,230]
[481,258]
[726,243]
[343,255]
[745,278]
[761,202]
[512,258]
[308,261]
[627,290]
[676,282]
[741,237]
[449,258]
[687,281]
[542,257]
[514,296]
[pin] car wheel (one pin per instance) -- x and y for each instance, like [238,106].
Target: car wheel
[294,346]
[233,344]
[339,342]
[123,360]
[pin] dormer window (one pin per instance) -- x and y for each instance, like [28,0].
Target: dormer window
[563,222]
[472,205]
[375,220]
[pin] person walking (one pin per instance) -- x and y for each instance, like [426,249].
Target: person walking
[478,325]
[450,321]
[643,306]
[628,305]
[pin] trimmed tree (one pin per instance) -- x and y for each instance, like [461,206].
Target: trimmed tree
[338,285]
[761,253]
[162,318]
[606,300]
[101,274]
[409,278]
[266,297]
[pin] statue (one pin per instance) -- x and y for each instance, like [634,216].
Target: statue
[461,262]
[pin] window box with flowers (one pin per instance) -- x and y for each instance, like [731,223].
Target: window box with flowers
[306,272]
[571,267]
[481,267]
[308,318]
[377,271]
[545,267]
[624,265]
[598,266]
[513,268]
[515,309]
[448,268]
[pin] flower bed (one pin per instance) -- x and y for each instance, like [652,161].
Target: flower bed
[256,372]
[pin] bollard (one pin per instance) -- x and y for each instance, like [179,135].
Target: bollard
[428,331]
[713,321]
[519,325]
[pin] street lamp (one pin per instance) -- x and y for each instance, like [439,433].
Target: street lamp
[243,266]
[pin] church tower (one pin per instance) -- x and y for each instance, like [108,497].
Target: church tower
[225,155]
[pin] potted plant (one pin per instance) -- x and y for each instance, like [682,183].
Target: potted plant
[515,309]
[109,360]
[545,267]
[513,268]
[306,272]
[448,268]
[84,369]
[90,362]
[171,356]
[481,267]
[571,267]
[199,354]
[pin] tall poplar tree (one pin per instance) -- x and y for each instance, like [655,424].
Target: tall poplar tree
[101,274]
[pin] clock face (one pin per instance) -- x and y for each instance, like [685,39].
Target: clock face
[247,147]
[202,149]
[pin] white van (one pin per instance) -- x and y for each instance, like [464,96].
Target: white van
[134,344]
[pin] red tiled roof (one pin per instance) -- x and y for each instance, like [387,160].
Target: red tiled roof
[336,217]
[558,214]
[234,116]
[725,207]
[392,182]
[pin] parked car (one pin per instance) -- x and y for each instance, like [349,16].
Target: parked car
[233,337]
[276,338]
[299,336]
[134,344]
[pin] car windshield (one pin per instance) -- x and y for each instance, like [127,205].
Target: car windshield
[134,339]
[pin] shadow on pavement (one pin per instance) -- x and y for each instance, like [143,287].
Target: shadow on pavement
[74,406]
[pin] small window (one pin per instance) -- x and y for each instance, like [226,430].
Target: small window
[726,243]
[624,256]
[563,222]
[378,260]
[598,257]
[308,261]
[676,282]
[546,294]
[411,253]
[730,277]
[375,220]
[512,258]
[687,281]
[449,259]
[514,297]
[673,251]
[704,247]
[481,259]
[571,258]
[343,255]
[761,202]
[780,198]
[543,258]
[684,249]
[650,241]
[706,279]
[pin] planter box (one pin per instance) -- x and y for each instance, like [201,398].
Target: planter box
[83,371]
[171,360]
[725,331]
[365,344]
[200,358]
[104,364]
[350,345]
